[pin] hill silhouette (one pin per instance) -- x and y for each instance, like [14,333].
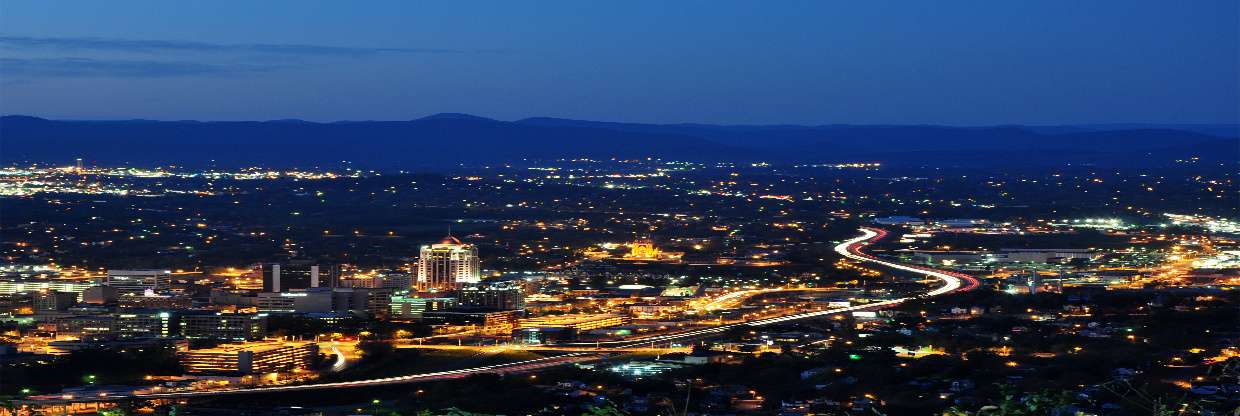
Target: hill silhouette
[452,139]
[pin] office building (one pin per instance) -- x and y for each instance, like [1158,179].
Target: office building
[249,358]
[52,301]
[298,275]
[579,322]
[100,295]
[224,326]
[563,327]
[144,324]
[484,322]
[139,281]
[151,300]
[390,280]
[354,300]
[509,295]
[315,300]
[447,265]
[19,284]
[362,301]
[403,306]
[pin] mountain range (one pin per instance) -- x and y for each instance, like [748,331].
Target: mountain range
[450,139]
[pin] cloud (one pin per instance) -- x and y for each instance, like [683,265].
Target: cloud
[155,46]
[86,67]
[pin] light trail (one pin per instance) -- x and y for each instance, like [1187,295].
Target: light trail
[514,367]
[341,361]
[851,249]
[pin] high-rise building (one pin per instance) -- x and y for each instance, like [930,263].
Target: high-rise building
[448,265]
[139,281]
[297,275]
[508,295]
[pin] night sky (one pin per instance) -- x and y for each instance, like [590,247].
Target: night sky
[937,62]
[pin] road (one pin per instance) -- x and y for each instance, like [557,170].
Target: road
[515,367]
[952,282]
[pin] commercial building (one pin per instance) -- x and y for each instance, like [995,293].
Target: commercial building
[51,300]
[579,322]
[564,327]
[150,300]
[19,284]
[317,300]
[298,275]
[489,322]
[249,358]
[390,280]
[1020,255]
[145,324]
[125,325]
[447,265]
[100,295]
[139,281]
[404,306]
[358,301]
[362,301]
[225,326]
[505,296]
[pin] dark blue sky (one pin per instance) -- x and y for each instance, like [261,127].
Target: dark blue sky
[942,62]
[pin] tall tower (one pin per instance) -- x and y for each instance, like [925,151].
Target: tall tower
[447,265]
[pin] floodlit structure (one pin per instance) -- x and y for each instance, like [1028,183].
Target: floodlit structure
[448,265]
[249,358]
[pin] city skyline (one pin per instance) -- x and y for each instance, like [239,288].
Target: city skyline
[552,208]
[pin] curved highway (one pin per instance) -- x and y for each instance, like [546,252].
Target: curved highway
[851,249]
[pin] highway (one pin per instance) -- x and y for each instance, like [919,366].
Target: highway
[514,367]
[851,249]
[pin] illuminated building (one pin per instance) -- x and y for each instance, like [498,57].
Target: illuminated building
[139,281]
[229,326]
[11,285]
[644,250]
[563,327]
[150,300]
[489,322]
[298,275]
[249,358]
[499,295]
[146,324]
[448,265]
[403,306]
[578,322]
[390,280]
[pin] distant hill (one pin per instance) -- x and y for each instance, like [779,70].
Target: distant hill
[450,139]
